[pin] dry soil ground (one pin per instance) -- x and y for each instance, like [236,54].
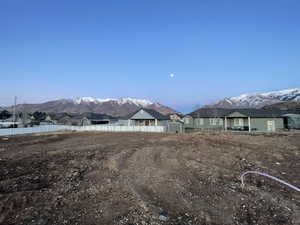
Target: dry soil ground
[135,178]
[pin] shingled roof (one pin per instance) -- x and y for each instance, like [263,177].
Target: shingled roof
[259,113]
[74,116]
[152,112]
[97,116]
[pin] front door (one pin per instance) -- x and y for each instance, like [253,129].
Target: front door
[271,125]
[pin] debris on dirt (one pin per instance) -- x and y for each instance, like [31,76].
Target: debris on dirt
[163,218]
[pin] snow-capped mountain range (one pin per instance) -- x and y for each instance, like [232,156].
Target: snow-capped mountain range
[258,100]
[120,101]
[120,107]
[114,107]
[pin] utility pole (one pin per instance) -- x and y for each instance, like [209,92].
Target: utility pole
[24,115]
[14,111]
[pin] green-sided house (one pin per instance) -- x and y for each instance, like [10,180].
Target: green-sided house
[146,117]
[234,119]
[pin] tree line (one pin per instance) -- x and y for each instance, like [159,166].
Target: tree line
[37,115]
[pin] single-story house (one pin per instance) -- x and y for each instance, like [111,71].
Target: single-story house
[83,119]
[235,119]
[47,121]
[8,124]
[11,122]
[97,119]
[63,119]
[145,117]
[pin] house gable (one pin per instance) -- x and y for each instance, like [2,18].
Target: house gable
[141,114]
[236,114]
[48,117]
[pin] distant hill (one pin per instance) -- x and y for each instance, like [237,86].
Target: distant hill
[114,107]
[258,100]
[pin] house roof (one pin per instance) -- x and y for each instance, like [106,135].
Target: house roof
[96,116]
[58,116]
[90,116]
[152,112]
[259,113]
[177,114]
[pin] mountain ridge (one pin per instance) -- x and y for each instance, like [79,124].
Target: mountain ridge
[117,107]
[258,100]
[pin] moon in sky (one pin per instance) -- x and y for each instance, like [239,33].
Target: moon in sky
[172,75]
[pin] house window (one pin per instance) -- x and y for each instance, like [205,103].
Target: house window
[221,122]
[187,120]
[271,125]
[201,121]
[213,121]
[238,122]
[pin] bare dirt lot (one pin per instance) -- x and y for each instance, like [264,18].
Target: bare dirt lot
[138,178]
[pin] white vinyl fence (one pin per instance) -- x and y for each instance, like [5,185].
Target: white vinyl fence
[30,130]
[49,128]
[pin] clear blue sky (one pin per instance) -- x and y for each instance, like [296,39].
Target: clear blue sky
[54,49]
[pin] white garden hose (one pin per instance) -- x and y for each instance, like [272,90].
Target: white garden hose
[269,176]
